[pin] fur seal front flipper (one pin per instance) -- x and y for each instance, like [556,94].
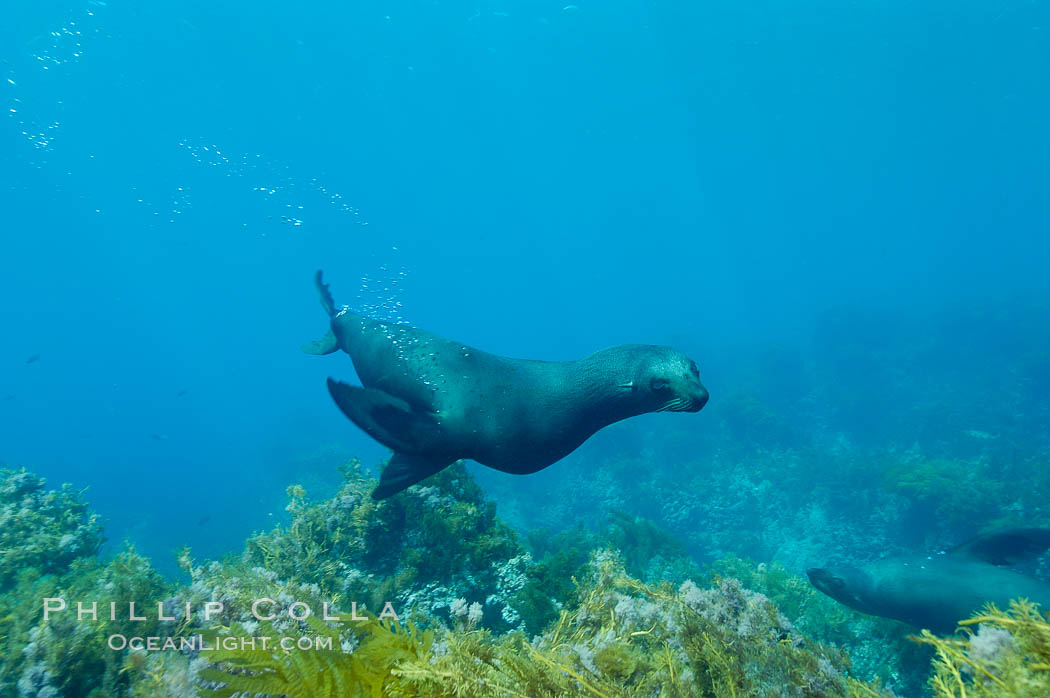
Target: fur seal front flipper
[388,419]
[435,401]
[405,470]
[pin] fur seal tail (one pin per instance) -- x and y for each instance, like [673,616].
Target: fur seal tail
[328,343]
[326,296]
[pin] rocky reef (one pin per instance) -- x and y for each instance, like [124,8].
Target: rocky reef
[49,542]
[40,529]
[430,594]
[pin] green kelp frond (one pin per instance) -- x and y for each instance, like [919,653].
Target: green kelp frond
[1008,655]
[325,669]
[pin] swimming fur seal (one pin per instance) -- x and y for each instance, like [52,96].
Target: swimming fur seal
[435,401]
[936,592]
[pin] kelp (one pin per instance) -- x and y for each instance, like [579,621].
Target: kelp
[1007,655]
[324,669]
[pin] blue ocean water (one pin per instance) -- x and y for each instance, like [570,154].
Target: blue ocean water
[850,197]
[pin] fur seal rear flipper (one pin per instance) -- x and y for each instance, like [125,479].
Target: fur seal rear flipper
[938,591]
[435,401]
[325,345]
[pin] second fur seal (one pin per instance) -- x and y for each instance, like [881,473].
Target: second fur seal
[435,401]
[937,591]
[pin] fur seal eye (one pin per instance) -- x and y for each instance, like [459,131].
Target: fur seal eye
[659,384]
[694,370]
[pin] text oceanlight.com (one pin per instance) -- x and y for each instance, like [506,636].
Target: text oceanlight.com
[198,643]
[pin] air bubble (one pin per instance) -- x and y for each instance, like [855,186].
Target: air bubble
[284,189]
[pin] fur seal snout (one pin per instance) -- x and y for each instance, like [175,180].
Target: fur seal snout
[435,401]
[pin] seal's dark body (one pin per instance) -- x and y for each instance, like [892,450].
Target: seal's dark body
[435,401]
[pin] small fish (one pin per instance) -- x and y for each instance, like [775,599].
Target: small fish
[203,520]
[181,393]
[158,437]
[9,397]
[33,359]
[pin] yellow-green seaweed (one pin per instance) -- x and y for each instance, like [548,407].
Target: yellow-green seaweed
[997,654]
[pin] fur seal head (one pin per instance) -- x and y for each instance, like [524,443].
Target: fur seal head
[661,379]
[847,585]
[673,381]
[434,401]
